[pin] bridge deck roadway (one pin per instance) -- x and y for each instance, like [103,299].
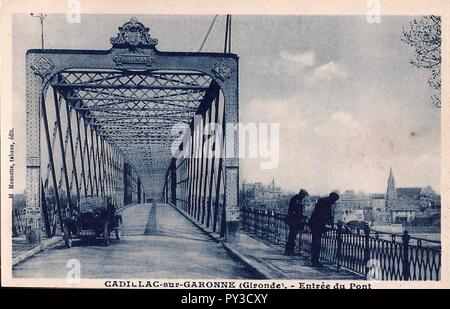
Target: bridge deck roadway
[178,250]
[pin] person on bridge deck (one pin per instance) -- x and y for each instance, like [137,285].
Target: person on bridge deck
[320,218]
[294,219]
[110,208]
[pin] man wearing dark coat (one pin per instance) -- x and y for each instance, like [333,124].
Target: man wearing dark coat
[320,218]
[110,209]
[294,219]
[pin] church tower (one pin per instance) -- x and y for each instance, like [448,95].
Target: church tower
[391,192]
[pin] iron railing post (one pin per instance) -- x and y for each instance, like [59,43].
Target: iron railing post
[339,245]
[258,222]
[255,221]
[266,224]
[244,218]
[405,261]
[366,248]
[269,220]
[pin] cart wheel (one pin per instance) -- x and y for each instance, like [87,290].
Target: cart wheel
[67,236]
[106,232]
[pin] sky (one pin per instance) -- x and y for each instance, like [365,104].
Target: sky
[348,102]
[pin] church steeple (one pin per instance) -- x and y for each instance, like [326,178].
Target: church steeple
[391,192]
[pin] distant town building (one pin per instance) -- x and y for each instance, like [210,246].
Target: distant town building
[260,195]
[353,206]
[391,192]
[353,215]
[404,205]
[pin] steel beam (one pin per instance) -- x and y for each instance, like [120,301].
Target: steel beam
[82,152]
[45,214]
[88,156]
[52,166]
[201,169]
[173,181]
[139,191]
[94,163]
[62,147]
[72,150]
[127,182]
[190,172]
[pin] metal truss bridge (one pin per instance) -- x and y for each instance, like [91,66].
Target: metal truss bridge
[146,127]
[132,123]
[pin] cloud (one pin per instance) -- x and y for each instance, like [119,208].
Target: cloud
[328,71]
[304,66]
[346,119]
[291,64]
[340,124]
[305,59]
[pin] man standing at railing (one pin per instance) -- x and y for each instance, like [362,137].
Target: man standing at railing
[294,219]
[320,218]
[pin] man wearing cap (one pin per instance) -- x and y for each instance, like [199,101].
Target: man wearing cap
[294,219]
[320,218]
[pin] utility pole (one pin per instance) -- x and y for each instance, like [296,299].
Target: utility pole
[41,16]
[227,47]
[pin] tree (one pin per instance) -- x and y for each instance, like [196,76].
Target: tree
[424,35]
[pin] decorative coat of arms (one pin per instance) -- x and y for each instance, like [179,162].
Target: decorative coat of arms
[134,36]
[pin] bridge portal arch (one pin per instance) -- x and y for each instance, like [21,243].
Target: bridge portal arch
[119,107]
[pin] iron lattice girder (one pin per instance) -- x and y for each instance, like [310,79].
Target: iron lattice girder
[127,95]
[123,84]
[136,133]
[135,117]
[121,124]
[136,112]
[124,78]
[134,108]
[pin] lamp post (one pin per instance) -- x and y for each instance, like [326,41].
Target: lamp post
[41,17]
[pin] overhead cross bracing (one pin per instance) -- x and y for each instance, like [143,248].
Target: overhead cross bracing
[136,111]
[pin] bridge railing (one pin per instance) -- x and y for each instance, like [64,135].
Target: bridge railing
[375,255]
